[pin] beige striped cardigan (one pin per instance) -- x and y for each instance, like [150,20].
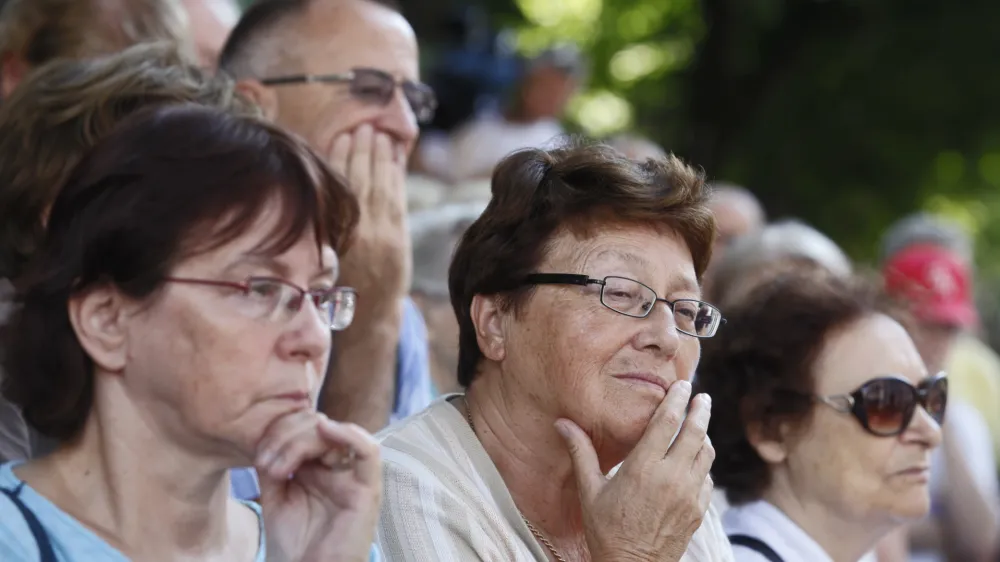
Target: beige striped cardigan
[444,501]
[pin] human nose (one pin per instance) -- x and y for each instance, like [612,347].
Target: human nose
[399,120]
[923,429]
[307,335]
[658,331]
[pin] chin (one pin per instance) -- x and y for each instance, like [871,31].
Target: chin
[912,505]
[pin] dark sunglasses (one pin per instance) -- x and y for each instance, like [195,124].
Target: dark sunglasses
[885,406]
[371,85]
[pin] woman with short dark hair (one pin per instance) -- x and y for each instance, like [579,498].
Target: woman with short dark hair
[174,324]
[825,418]
[580,319]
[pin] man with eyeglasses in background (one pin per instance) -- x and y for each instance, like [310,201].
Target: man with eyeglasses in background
[343,74]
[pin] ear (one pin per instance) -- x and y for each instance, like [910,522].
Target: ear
[99,318]
[263,97]
[13,69]
[488,320]
[772,446]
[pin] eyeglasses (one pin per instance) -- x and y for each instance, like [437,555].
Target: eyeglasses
[885,406]
[274,299]
[373,86]
[632,298]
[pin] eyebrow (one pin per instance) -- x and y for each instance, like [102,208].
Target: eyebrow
[681,282]
[276,266]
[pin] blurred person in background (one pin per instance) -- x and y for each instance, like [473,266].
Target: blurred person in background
[531,118]
[580,320]
[638,147]
[210,23]
[344,75]
[436,232]
[737,213]
[973,367]
[46,126]
[927,268]
[825,418]
[34,32]
[744,264]
[161,353]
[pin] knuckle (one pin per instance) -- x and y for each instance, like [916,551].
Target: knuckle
[672,418]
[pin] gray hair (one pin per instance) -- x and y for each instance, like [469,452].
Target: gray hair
[726,191]
[782,240]
[435,233]
[926,228]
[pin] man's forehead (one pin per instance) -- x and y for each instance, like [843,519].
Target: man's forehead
[357,33]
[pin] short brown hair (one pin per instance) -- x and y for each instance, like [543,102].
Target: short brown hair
[538,192]
[169,183]
[40,31]
[759,368]
[63,109]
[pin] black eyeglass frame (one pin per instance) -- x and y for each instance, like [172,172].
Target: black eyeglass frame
[424,115]
[584,280]
[854,402]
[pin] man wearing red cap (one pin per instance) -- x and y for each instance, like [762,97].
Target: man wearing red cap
[937,287]
[927,267]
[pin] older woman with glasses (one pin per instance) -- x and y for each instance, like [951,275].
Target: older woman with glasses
[825,419]
[580,320]
[175,324]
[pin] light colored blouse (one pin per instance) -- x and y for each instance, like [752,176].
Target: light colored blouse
[70,540]
[444,500]
[765,522]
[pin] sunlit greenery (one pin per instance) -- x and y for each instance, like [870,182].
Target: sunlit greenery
[845,113]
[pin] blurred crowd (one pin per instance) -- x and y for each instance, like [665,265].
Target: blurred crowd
[265,294]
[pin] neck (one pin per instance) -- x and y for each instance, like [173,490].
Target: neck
[141,492]
[522,442]
[844,539]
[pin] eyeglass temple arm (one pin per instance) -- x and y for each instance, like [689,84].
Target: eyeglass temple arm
[306,79]
[562,278]
[840,402]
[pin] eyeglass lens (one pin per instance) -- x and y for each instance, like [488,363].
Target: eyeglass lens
[632,298]
[335,306]
[374,86]
[888,405]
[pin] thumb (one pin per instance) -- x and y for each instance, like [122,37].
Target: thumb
[589,477]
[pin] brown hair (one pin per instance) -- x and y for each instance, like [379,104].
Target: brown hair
[63,109]
[759,368]
[40,31]
[538,192]
[167,184]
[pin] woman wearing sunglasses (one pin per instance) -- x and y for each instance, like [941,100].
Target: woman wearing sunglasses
[825,419]
[176,324]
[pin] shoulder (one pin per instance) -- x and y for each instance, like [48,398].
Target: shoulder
[429,444]
[441,498]
[16,542]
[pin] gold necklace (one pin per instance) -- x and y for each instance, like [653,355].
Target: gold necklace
[538,535]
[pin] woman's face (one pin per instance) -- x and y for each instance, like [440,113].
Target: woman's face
[577,359]
[209,372]
[834,462]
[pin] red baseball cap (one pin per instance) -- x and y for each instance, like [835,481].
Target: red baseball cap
[936,283]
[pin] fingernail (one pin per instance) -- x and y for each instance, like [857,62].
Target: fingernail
[684,386]
[561,428]
[707,400]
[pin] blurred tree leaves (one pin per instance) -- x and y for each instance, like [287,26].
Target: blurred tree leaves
[846,113]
